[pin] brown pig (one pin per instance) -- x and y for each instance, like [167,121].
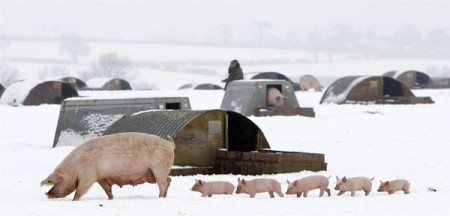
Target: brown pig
[260,185]
[394,185]
[304,185]
[215,187]
[275,97]
[353,184]
[122,159]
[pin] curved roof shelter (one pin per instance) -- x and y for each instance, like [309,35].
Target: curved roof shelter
[36,92]
[276,76]
[365,89]
[197,134]
[204,86]
[108,84]
[73,81]
[411,78]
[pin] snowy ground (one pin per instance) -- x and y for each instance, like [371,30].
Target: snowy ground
[381,141]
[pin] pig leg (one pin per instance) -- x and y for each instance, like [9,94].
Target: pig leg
[252,195]
[106,187]
[82,187]
[305,194]
[391,192]
[299,195]
[366,192]
[271,194]
[321,192]
[406,188]
[353,193]
[340,193]
[163,184]
[210,195]
[328,191]
[279,193]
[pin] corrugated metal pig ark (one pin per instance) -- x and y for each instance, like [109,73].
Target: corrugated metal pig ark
[217,141]
[81,119]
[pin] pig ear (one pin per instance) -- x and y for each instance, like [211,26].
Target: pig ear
[200,182]
[52,179]
[239,179]
[337,178]
[288,181]
[243,181]
[344,179]
[295,183]
[381,182]
[386,183]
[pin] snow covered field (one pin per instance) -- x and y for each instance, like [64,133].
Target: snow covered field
[381,141]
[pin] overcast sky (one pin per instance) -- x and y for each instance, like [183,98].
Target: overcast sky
[139,19]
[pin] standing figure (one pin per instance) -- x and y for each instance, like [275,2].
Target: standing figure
[234,73]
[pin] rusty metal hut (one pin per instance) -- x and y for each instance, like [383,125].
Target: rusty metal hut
[73,81]
[108,84]
[249,97]
[370,89]
[216,141]
[412,79]
[276,76]
[86,118]
[36,92]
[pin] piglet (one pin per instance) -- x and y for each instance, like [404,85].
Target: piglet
[306,184]
[353,184]
[260,185]
[216,187]
[394,185]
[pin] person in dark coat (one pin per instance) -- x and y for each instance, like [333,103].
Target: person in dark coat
[234,73]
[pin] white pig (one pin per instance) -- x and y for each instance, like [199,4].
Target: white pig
[215,187]
[275,97]
[122,159]
[260,185]
[394,185]
[304,185]
[353,184]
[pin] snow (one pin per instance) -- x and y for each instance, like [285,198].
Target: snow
[381,141]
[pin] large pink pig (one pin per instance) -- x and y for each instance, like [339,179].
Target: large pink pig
[353,184]
[122,159]
[215,187]
[260,185]
[394,185]
[304,185]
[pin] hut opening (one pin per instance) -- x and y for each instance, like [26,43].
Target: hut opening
[375,89]
[36,92]
[197,134]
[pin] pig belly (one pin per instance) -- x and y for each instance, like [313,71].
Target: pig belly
[134,180]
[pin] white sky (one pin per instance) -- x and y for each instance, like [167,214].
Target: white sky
[138,19]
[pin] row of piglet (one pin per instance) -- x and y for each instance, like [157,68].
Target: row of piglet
[298,187]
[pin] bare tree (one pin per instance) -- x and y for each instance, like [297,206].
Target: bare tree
[8,75]
[263,29]
[74,46]
[108,65]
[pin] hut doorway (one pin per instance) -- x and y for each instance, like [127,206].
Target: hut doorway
[392,88]
[242,134]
